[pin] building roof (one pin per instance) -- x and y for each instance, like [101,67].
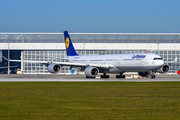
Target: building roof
[90,37]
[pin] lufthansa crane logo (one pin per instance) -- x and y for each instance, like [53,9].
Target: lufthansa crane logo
[67,42]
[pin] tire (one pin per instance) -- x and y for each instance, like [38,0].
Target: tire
[117,76]
[90,77]
[102,76]
[153,76]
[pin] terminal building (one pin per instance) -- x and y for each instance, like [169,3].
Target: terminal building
[35,46]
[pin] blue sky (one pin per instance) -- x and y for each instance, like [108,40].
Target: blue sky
[90,16]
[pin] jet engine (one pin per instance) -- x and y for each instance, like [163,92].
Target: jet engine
[54,68]
[163,69]
[144,74]
[91,71]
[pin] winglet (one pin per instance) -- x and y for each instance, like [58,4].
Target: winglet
[69,46]
[175,60]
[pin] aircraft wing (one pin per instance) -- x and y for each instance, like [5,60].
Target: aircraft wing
[9,67]
[66,63]
[53,57]
[84,64]
[175,60]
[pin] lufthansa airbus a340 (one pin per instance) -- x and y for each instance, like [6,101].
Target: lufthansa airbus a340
[146,64]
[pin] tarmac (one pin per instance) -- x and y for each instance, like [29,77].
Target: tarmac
[81,78]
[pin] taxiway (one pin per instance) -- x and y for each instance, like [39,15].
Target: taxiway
[80,78]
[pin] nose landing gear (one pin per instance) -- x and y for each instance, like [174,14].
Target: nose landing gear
[152,75]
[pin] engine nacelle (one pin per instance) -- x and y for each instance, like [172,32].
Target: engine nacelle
[144,74]
[54,68]
[91,71]
[163,69]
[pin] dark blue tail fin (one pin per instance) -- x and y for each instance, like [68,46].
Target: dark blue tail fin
[69,46]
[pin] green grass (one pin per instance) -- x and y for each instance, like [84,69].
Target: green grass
[89,100]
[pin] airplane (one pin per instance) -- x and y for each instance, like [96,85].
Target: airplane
[146,64]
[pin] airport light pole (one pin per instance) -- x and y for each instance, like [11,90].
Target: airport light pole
[158,48]
[83,49]
[8,58]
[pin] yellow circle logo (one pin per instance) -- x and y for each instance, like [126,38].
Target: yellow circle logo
[67,42]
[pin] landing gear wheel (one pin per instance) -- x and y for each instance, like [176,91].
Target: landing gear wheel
[153,76]
[107,76]
[120,76]
[90,77]
[104,76]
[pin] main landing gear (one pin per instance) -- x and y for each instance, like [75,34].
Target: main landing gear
[104,75]
[90,77]
[120,76]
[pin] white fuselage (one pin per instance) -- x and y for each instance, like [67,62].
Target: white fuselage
[123,62]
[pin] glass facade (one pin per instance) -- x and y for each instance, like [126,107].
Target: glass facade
[0,55]
[30,68]
[14,54]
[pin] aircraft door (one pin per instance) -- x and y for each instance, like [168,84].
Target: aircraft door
[146,61]
[107,60]
[118,60]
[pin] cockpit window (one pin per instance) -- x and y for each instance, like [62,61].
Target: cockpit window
[157,59]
